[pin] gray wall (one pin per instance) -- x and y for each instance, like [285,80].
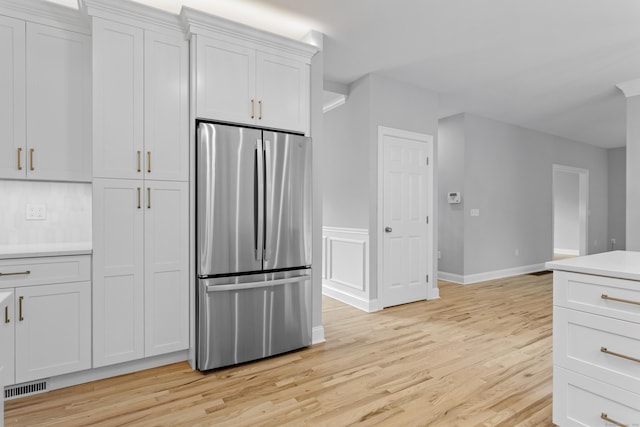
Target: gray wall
[566,214]
[346,160]
[508,174]
[451,178]
[633,174]
[351,156]
[617,196]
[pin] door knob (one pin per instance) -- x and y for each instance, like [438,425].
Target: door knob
[388,229]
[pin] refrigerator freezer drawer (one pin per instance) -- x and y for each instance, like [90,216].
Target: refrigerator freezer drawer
[240,322]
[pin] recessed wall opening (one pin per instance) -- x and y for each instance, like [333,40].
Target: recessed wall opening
[570,211]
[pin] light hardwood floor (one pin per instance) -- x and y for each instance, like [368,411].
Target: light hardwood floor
[479,356]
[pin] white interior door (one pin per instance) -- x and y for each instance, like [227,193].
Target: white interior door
[404,218]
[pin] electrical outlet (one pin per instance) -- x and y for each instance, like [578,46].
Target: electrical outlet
[36,211]
[613,241]
[475,212]
[439,255]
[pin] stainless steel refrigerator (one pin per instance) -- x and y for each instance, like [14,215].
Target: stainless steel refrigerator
[253,239]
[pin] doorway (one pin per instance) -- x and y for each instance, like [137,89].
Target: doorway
[405,231]
[570,211]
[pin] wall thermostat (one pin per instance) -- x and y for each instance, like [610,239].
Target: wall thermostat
[454,197]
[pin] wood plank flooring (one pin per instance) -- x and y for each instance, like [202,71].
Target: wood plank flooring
[479,356]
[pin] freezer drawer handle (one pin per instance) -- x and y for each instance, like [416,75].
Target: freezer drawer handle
[607,297]
[605,417]
[16,273]
[251,285]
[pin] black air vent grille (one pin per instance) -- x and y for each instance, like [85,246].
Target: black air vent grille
[25,389]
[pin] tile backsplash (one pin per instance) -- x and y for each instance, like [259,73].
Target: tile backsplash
[68,212]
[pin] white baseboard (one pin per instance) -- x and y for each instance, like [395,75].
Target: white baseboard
[116,370]
[317,335]
[561,251]
[490,275]
[365,305]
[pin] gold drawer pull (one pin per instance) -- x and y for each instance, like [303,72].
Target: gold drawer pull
[613,353]
[148,197]
[6,315]
[20,316]
[139,168]
[19,159]
[253,108]
[605,417]
[148,161]
[138,197]
[260,110]
[607,297]
[31,159]
[16,273]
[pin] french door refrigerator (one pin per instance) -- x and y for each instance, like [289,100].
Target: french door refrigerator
[253,240]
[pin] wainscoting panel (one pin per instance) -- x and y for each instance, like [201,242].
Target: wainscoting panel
[345,269]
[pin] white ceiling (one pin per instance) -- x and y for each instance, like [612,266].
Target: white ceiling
[549,65]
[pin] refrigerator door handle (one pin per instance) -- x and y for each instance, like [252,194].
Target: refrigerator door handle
[258,226]
[268,190]
[252,285]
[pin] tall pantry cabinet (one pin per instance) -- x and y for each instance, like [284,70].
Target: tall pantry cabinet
[140,185]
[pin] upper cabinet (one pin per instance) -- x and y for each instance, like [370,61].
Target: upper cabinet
[45,102]
[12,82]
[141,103]
[247,76]
[58,104]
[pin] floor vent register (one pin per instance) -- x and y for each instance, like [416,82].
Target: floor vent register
[26,389]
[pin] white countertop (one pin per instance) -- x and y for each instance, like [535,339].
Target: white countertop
[44,249]
[620,264]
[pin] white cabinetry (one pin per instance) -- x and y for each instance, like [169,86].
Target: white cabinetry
[596,350]
[141,83]
[239,84]
[140,187]
[117,100]
[46,323]
[247,76]
[58,104]
[45,100]
[12,101]
[140,277]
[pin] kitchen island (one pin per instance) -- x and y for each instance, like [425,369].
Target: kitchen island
[596,339]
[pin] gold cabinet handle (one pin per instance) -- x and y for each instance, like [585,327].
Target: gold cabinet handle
[627,301]
[613,353]
[6,315]
[148,161]
[16,273]
[139,168]
[19,159]
[138,197]
[253,107]
[260,110]
[148,197]
[20,316]
[31,158]
[605,417]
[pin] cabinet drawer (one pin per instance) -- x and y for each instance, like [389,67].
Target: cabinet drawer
[578,342]
[46,270]
[582,401]
[589,293]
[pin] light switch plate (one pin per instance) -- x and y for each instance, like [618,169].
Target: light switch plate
[36,211]
[475,212]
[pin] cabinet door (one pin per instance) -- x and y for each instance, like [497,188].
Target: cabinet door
[58,104]
[117,100]
[7,339]
[166,136]
[225,81]
[166,267]
[282,88]
[118,288]
[12,98]
[53,330]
